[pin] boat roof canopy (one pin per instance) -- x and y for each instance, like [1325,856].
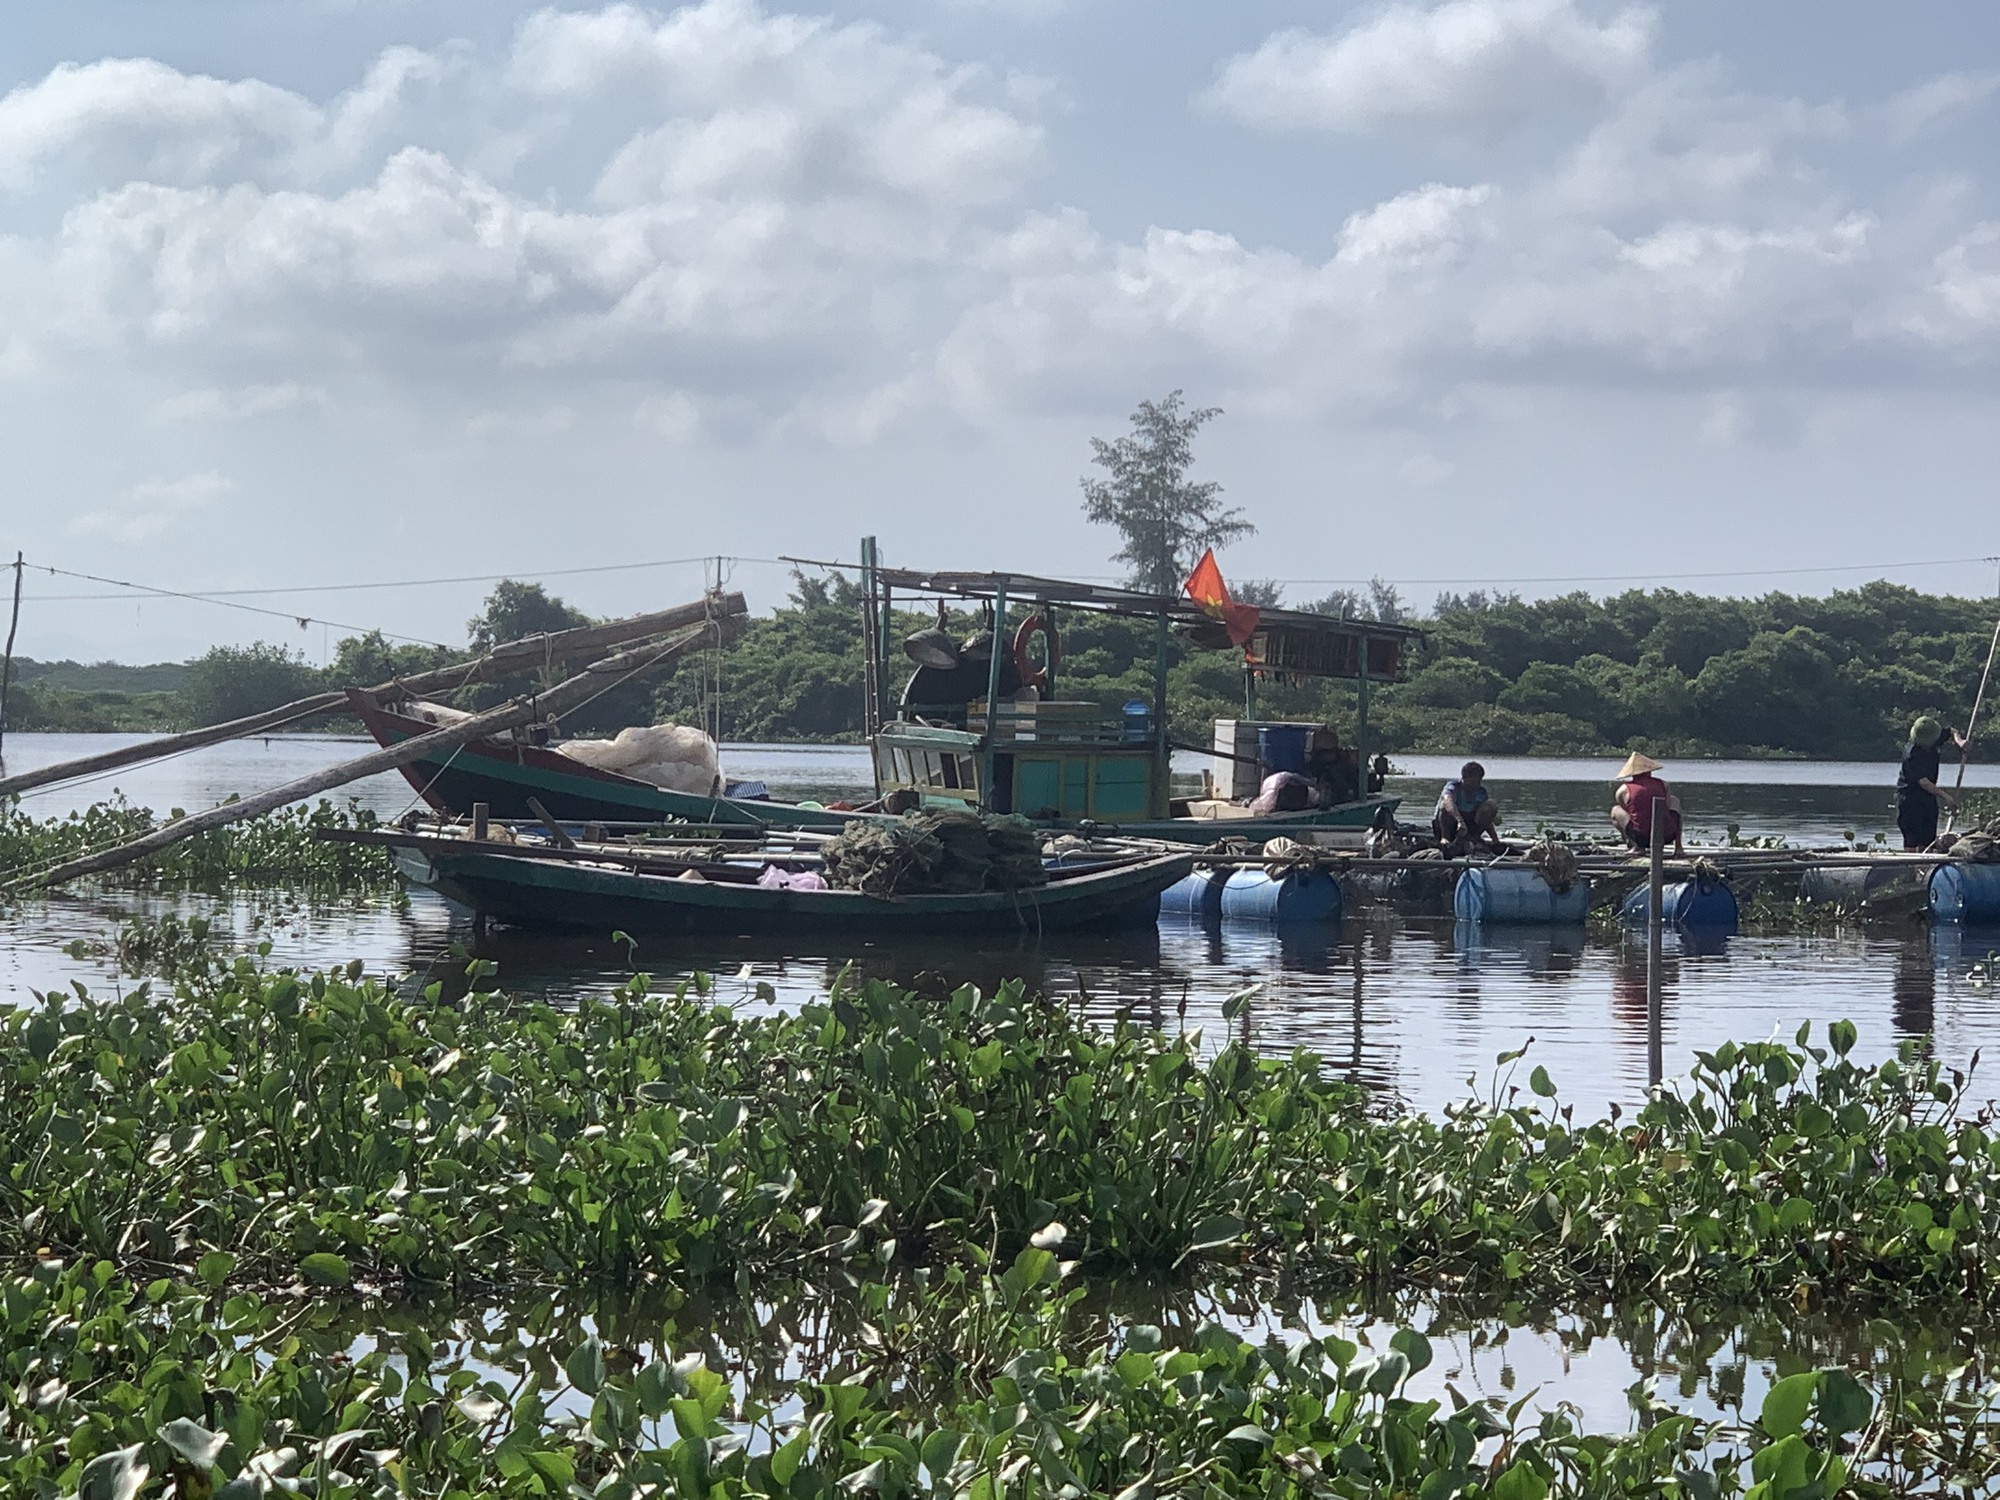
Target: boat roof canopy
[1287,640]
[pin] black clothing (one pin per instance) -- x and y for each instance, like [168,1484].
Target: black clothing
[1918,822]
[1920,763]
[1917,809]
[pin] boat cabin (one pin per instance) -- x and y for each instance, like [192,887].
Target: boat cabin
[982,723]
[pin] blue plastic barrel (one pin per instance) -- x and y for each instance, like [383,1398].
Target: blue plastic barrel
[1298,897]
[1965,893]
[1282,747]
[1686,903]
[1518,896]
[1198,895]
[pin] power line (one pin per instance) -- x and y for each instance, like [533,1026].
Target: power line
[215,595]
[277,614]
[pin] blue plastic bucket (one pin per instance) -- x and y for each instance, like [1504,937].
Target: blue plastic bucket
[1686,903]
[1300,897]
[1198,895]
[1282,747]
[1518,896]
[1965,893]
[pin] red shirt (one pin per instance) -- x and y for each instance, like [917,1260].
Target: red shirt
[1640,795]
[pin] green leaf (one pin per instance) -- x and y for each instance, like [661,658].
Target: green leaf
[1842,1035]
[939,1452]
[194,1442]
[1249,1432]
[785,1459]
[1540,1083]
[214,1267]
[1213,1233]
[585,1367]
[118,1475]
[1786,1404]
[1845,1404]
[324,1268]
[1415,1347]
[1521,1482]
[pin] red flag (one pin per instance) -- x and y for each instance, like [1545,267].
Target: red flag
[1205,586]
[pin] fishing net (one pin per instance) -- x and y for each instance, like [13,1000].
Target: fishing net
[939,851]
[1557,863]
[1979,847]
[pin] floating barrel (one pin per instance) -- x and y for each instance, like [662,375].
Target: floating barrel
[1686,903]
[1878,888]
[1198,895]
[1295,897]
[1966,893]
[1518,895]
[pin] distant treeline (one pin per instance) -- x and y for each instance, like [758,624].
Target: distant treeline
[1677,673]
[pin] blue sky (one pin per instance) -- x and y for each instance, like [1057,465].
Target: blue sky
[1492,292]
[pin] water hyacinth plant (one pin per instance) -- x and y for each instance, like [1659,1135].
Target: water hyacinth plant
[277,1116]
[279,846]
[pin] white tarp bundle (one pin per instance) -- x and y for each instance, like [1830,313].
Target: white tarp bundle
[676,757]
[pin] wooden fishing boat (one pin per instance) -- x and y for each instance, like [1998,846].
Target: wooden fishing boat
[983,726]
[505,772]
[604,889]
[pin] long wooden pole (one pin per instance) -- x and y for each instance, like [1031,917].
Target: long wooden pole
[1971,727]
[7,660]
[1655,920]
[510,715]
[501,661]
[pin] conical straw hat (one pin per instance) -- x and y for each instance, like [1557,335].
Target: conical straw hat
[1637,764]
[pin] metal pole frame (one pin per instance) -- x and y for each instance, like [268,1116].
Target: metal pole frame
[1163,756]
[986,787]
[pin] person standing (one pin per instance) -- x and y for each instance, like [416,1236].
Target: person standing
[1917,791]
[1642,797]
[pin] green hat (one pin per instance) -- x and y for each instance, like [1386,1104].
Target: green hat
[1926,731]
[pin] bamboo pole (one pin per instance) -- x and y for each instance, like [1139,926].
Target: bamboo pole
[7,661]
[510,715]
[501,661]
[1656,849]
[1971,728]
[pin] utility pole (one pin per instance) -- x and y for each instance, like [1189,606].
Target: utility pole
[7,659]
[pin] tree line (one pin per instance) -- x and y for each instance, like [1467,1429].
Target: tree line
[1675,673]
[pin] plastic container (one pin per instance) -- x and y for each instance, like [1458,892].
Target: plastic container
[1965,893]
[1686,903]
[1507,897]
[1253,896]
[1282,747]
[1138,722]
[1198,895]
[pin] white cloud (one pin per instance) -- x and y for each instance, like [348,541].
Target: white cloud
[1937,100]
[672,415]
[151,508]
[212,404]
[1462,65]
[1425,470]
[134,117]
[1416,225]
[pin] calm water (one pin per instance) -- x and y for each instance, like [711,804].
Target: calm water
[1413,1007]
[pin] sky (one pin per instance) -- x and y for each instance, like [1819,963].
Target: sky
[1529,294]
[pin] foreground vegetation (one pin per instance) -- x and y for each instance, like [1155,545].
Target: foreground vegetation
[279,846]
[293,1121]
[196,1189]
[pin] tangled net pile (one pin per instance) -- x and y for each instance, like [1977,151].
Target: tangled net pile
[937,852]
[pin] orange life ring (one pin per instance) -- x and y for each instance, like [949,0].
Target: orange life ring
[1032,675]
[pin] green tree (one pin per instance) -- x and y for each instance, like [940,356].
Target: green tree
[514,610]
[1166,519]
[229,682]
